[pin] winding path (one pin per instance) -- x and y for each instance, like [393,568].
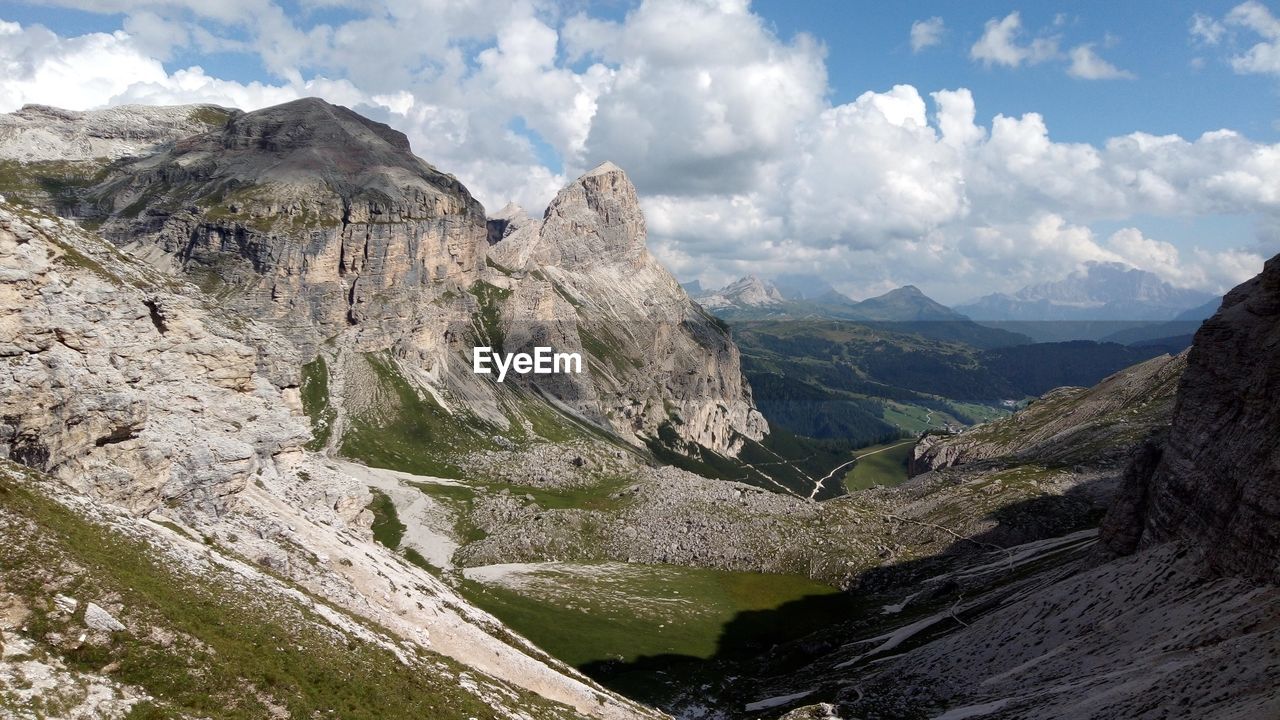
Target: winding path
[817,487]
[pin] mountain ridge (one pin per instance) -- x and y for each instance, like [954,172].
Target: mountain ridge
[325,224]
[1097,292]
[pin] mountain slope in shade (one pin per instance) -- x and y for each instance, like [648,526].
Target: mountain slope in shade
[1215,483]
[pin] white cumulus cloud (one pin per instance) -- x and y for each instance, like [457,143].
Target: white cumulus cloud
[1001,44]
[743,161]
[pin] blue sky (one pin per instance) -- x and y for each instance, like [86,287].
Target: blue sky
[868,48]
[772,136]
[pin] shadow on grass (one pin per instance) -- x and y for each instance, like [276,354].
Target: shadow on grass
[796,637]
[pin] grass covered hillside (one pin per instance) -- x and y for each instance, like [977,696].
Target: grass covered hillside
[866,383]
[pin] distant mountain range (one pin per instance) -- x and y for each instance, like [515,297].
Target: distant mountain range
[1102,301]
[804,297]
[811,298]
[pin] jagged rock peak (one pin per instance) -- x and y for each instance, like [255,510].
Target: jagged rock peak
[510,211]
[597,218]
[510,218]
[749,291]
[1215,482]
[603,168]
[753,291]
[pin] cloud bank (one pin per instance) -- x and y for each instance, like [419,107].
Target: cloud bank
[743,162]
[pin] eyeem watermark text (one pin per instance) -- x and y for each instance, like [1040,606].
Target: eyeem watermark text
[542,361]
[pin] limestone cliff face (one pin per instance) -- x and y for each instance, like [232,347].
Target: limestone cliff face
[125,390]
[306,214]
[587,278]
[1215,483]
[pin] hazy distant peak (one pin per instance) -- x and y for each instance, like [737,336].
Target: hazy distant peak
[749,291]
[1097,291]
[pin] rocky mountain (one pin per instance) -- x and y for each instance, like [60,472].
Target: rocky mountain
[306,214]
[324,224]
[905,304]
[246,470]
[1213,483]
[808,297]
[749,292]
[584,274]
[905,309]
[156,478]
[1101,301]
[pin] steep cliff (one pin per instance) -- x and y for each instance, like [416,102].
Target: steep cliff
[152,461]
[305,214]
[585,275]
[1215,483]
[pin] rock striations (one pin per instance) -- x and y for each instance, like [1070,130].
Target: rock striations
[306,214]
[1215,483]
[658,358]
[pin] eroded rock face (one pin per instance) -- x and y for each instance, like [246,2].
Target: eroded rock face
[1216,483]
[588,280]
[39,133]
[129,392]
[306,214]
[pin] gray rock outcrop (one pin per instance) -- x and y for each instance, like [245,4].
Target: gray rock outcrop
[1215,483]
[98,619]
[39,133]
[106,360]
[589,279]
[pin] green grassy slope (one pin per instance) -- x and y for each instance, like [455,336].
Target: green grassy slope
[879,465]
[863,381]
